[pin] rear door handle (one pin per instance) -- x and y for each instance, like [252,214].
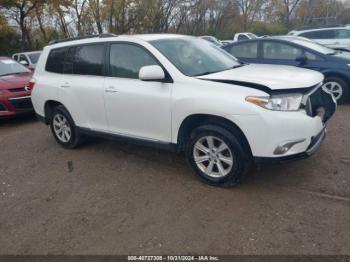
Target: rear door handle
[65,85]
[111,89]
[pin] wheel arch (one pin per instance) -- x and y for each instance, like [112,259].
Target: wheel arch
[48,109]
[193,121]
[343,76]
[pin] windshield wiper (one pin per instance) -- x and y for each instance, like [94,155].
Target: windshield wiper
[208,73]
[237,66]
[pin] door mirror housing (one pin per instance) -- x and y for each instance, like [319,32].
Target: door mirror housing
[152,73]
[24,62]
[302,59]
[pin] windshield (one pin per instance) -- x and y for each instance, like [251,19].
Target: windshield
[315,46]
[10,67]
[34,57]
[195,57]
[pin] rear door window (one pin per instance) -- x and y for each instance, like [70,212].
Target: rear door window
[89,60]
[245,50]
[68,62]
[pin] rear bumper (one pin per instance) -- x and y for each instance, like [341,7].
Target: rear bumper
[314,146]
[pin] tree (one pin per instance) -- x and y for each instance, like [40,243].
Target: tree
[9,39]
[19,10]
[95,8]
[248,10]
[79,9]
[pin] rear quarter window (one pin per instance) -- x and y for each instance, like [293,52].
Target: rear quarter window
[78,60]
[55,60]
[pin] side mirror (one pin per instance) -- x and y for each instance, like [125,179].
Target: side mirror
[23,62]
[302,59]
[151,73]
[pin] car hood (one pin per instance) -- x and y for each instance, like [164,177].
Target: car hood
[15,81]
[268,77]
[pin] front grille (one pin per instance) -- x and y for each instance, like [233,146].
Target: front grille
[320,103]
[22,103]
[2,107]
[18,89]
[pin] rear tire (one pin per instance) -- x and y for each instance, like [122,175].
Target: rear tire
[64,129]
[217,156]
[338,87]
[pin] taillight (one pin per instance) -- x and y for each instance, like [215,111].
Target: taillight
[31,84]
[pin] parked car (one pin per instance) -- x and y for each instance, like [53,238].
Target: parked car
[296,51]
[212,39]
[15,89]
[28,59]
[244,36]
[333,37]
[183,94]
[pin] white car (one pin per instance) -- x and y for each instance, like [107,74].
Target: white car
[28,59]
[244,36]
[333,37]
[184,94]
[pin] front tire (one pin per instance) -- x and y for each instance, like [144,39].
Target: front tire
[338,87]
[64,129]
[217,156]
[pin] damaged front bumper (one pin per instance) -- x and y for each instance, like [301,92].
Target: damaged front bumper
[315,144]
[317,103]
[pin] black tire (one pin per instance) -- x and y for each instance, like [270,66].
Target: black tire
[75,137]
[345,87]
[241,156]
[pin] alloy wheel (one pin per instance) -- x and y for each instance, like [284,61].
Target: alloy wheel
[62,128]
[334,88]
[213,156]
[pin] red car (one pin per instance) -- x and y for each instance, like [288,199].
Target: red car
[15,88]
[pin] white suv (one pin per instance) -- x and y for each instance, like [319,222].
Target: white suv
[333,37]
[181,93]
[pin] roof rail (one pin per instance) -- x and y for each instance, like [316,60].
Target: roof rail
[56,41]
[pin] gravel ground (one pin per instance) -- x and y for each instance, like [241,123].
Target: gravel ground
[114,198]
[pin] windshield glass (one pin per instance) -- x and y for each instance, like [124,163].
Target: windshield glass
[34,57]
[10,67]
[195,57]
[315,46]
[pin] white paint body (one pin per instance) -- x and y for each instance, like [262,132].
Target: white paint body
[155,110]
